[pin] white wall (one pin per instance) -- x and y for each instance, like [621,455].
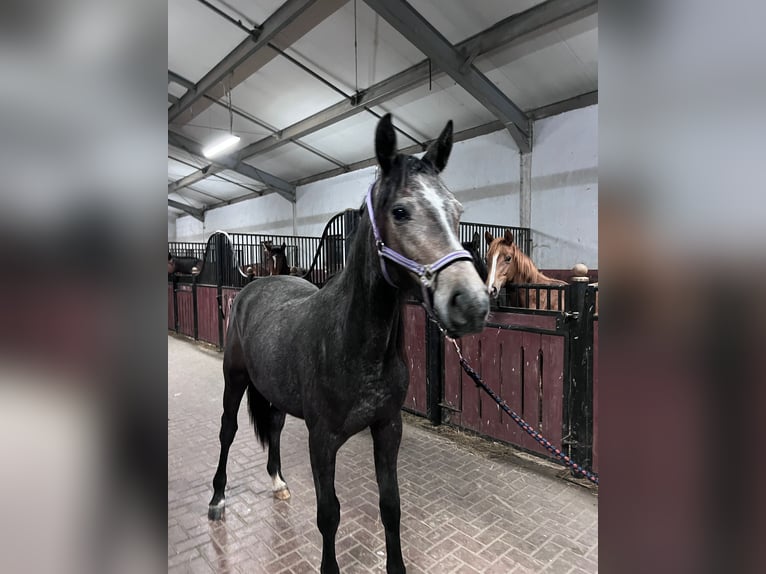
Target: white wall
[189,229]
[484,175]
[317,202]
[565,190]
[268,214]
[171,228]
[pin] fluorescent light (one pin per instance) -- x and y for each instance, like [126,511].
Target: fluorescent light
[224,144]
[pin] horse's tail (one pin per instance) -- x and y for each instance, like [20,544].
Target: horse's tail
[260,414]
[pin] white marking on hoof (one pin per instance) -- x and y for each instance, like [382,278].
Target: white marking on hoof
[279,488]
[283,494]
[215,511]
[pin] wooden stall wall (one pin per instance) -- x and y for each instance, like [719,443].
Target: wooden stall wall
[171,310]
[525,368]
[415,352]
[185,302]
[208,314]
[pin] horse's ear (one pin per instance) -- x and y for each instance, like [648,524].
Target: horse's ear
[284,245]
[476,240]
[488,237]
[438,152]
[169,256]
[385,144]
[508,237]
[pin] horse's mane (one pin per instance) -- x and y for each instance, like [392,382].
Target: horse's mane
[526,272]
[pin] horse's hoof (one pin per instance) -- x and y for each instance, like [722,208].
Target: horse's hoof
[216,511]
[282,494]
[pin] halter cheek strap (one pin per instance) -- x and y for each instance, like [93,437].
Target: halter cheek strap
[426,273]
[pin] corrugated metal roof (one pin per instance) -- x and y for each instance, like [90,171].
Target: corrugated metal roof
[554,66]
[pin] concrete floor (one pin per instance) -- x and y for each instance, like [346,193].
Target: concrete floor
[461,511]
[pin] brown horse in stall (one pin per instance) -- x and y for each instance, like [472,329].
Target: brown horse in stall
[275,259]
[508,264]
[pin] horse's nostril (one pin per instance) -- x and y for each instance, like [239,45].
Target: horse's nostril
[455,301]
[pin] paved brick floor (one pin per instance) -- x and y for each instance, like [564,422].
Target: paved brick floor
[461,512]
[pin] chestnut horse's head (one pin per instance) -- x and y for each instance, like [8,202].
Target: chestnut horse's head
[502,261]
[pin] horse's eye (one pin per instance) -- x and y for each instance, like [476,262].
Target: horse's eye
[400,214]
[507,258]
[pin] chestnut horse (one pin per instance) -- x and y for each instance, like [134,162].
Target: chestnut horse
[508,264]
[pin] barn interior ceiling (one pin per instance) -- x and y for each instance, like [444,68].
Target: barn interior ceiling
[308,80]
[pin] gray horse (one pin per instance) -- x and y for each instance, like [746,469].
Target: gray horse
[334,357]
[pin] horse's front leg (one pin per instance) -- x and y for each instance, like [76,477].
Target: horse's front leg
[323,448]
[386,437]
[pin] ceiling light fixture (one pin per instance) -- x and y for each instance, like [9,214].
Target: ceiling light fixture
[229,141]
[215,149]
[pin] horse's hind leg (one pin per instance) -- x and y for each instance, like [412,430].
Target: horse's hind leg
[274,466]
[235,386]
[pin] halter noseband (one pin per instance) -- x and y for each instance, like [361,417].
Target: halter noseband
[426,273]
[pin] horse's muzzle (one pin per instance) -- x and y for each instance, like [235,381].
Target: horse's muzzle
[466,311]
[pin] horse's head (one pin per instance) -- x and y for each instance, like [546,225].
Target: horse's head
[276,259]
[418,217]
[502,261]
[473,248]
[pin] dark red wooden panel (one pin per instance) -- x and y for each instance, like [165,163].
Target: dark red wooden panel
[509,388]
[185,310]
[553,387]
[415,355]
[595,395]
[523,320]
[207,314]
[227,296]
[171,312]
[453,386]
[489,367]
[525,369]
[532,386]
[471,417]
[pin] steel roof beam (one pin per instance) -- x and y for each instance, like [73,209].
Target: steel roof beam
[193,211]
[288,23]
[418,31]
[249,117]
[282,187]
[576,102]
[569,104]
[514,30]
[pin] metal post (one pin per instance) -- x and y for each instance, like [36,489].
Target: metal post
[434,371]
[525,192]
[580,386]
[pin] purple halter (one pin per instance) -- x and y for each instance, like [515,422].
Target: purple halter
[426,273]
